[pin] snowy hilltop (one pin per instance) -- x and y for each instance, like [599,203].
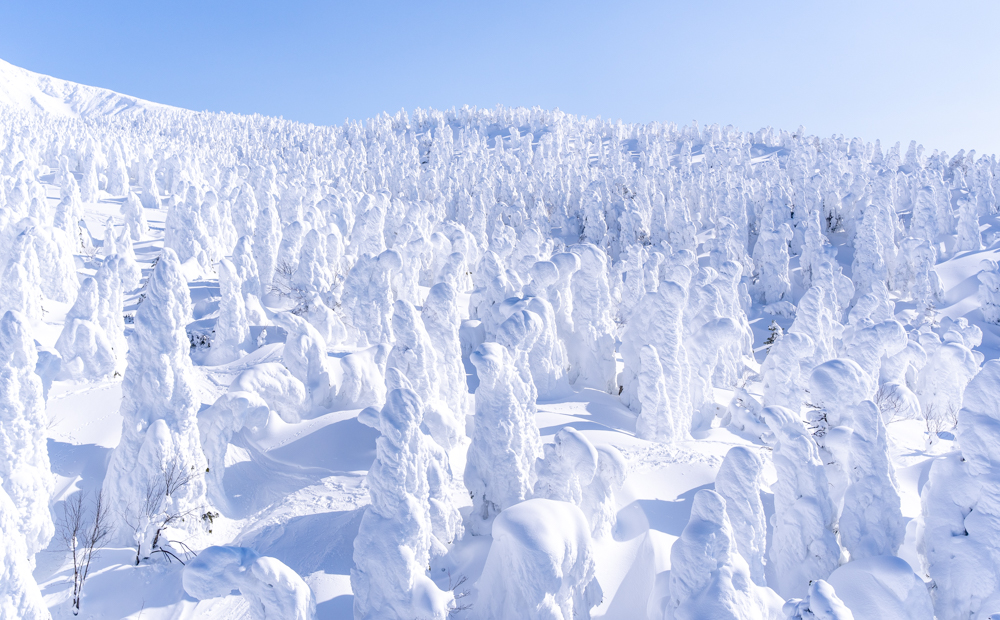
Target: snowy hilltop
[488,364]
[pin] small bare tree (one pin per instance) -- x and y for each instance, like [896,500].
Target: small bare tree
[84,535]
[150,519]
[889,403]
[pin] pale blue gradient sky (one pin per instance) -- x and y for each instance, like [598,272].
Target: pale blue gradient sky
[893,70]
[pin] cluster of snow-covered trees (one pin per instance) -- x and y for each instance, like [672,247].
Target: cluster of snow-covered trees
[570,244]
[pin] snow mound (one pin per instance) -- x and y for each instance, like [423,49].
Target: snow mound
[272,589]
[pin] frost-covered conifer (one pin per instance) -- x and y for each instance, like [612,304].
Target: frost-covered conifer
[442,320]
[311,272]
[915,274]
[869,266]
[708,577]
[960,507]
[989,291]
[266,238]
[392,548]
[116,172]
[232,330]
[969,238]
[246,268]
[24,459]
[547,545]
[83,345]
[217,425]
[305,357]
[130,271]
[567,467]
[770,257]
[19,594]
[657,320]
[110,247]
[656,421]
[271,589]
[739,483]
[416,358]
[287,259]
[804,547]
[591,350]
[110,305]
[505,442]
[159,408]
[820,603]
[599,503]
[871,523]
[941,382]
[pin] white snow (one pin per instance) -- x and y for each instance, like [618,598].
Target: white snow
[498,363]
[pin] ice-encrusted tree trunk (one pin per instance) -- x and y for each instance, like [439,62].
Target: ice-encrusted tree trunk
[739,483]
[24,457]
[392,548]
[505,441]
[159,407]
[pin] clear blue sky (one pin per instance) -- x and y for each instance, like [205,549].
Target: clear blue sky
[893,70]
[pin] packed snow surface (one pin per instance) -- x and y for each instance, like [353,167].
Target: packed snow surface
[504,363]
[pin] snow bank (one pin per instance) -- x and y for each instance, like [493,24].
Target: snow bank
[883,587]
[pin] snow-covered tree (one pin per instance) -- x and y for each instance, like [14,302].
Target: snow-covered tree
[19,594]
[232,330]
[591,350]
[505,443]
[85,348]
[804,546]
[159,408]
[24,458]
[567,467]
[392,548]
[271,589]
[708,577]
[547,545]
[739,483]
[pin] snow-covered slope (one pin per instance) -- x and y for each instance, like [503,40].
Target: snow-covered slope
[501,363]
[29,91]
